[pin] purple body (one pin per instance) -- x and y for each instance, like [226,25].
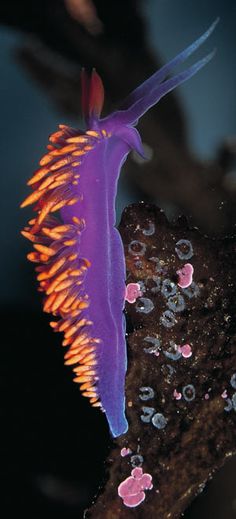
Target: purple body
[105,279]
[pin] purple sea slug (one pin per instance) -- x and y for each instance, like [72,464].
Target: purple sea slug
[79,252]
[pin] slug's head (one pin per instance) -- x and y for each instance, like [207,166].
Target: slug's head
[121,122]
[92,90]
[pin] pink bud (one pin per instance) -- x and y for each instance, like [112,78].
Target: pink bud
[132,292]
[125,452]
[177,395]
[186,350]
[185,275]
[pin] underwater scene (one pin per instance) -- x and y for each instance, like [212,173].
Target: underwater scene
[121,238]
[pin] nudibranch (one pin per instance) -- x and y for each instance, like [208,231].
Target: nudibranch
[80,256]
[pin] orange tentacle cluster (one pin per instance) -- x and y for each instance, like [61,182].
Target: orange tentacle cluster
[56,248]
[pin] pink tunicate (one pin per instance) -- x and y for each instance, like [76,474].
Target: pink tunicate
[224,394]
[125,452]
[177,395]
[131,490]
[132,292]
[185,275]
[207,396]
[186,350]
